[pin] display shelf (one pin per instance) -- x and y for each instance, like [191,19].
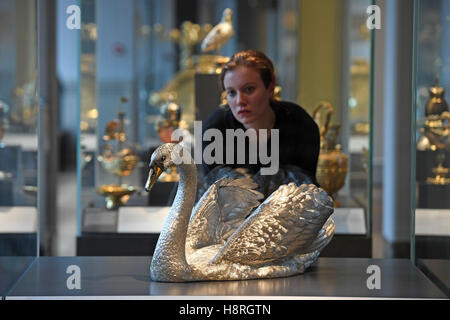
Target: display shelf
[128,278]
[433,222]
[142,219]
[432,232]
[27,142]
[18,219]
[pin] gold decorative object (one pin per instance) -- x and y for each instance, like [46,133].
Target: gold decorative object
[434,130]
[120,163]
[332,165]
[117,159]
[187,38]
[116,195]
[182,83]
[438,133]
[230,235]
[436,103]
[277,93]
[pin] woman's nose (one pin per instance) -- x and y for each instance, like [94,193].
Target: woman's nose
[241,100]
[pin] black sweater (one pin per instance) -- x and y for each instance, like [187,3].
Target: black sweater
[298,133]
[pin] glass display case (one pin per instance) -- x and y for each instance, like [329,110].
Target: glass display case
[431,214]
[146,69]
[142,74]
[18,140]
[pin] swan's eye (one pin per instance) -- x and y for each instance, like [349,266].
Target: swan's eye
[163,158]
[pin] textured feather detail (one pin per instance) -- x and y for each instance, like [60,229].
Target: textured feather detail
[324,237]
[286,224]
[220,211]
[267,184]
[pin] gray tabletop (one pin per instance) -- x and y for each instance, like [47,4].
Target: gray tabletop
[438,270]
[11,269]
[128,277]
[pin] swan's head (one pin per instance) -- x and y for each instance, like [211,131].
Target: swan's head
[160,160]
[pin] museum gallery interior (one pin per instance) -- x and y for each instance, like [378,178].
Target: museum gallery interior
[111,186]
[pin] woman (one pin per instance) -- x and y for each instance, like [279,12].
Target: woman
[249,81]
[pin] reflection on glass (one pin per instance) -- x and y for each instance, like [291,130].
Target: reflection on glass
[432,154]
[18,140]
[334,65]
[153,55]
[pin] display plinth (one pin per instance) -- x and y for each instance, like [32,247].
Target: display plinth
[207,95]
[129,278]
[433,196]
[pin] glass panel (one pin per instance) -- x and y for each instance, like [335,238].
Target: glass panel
[359,184]
[432,123]
[335,68]
[133,67]
[18,140]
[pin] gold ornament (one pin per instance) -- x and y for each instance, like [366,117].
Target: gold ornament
[332,165]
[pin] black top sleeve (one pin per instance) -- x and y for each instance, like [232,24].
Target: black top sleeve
[216,120]
[299,138]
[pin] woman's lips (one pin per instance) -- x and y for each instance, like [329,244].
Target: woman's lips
[243,113]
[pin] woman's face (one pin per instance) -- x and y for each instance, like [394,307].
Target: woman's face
[247,96]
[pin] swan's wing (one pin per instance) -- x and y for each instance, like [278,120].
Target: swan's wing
[288,222]
[220,211]
[204,182]
[324,237]
[285,174]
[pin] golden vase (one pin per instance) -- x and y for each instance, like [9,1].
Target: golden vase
[332,165]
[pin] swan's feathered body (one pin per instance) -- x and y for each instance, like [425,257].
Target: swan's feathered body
[220,34]
[230,235]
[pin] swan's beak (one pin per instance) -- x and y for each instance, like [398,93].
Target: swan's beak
[153,176]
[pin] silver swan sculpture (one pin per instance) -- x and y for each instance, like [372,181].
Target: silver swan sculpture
[229,234]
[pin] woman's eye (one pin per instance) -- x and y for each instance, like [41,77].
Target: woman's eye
[249,89]
[231,93]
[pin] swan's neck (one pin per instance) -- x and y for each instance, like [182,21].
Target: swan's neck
[169,260]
